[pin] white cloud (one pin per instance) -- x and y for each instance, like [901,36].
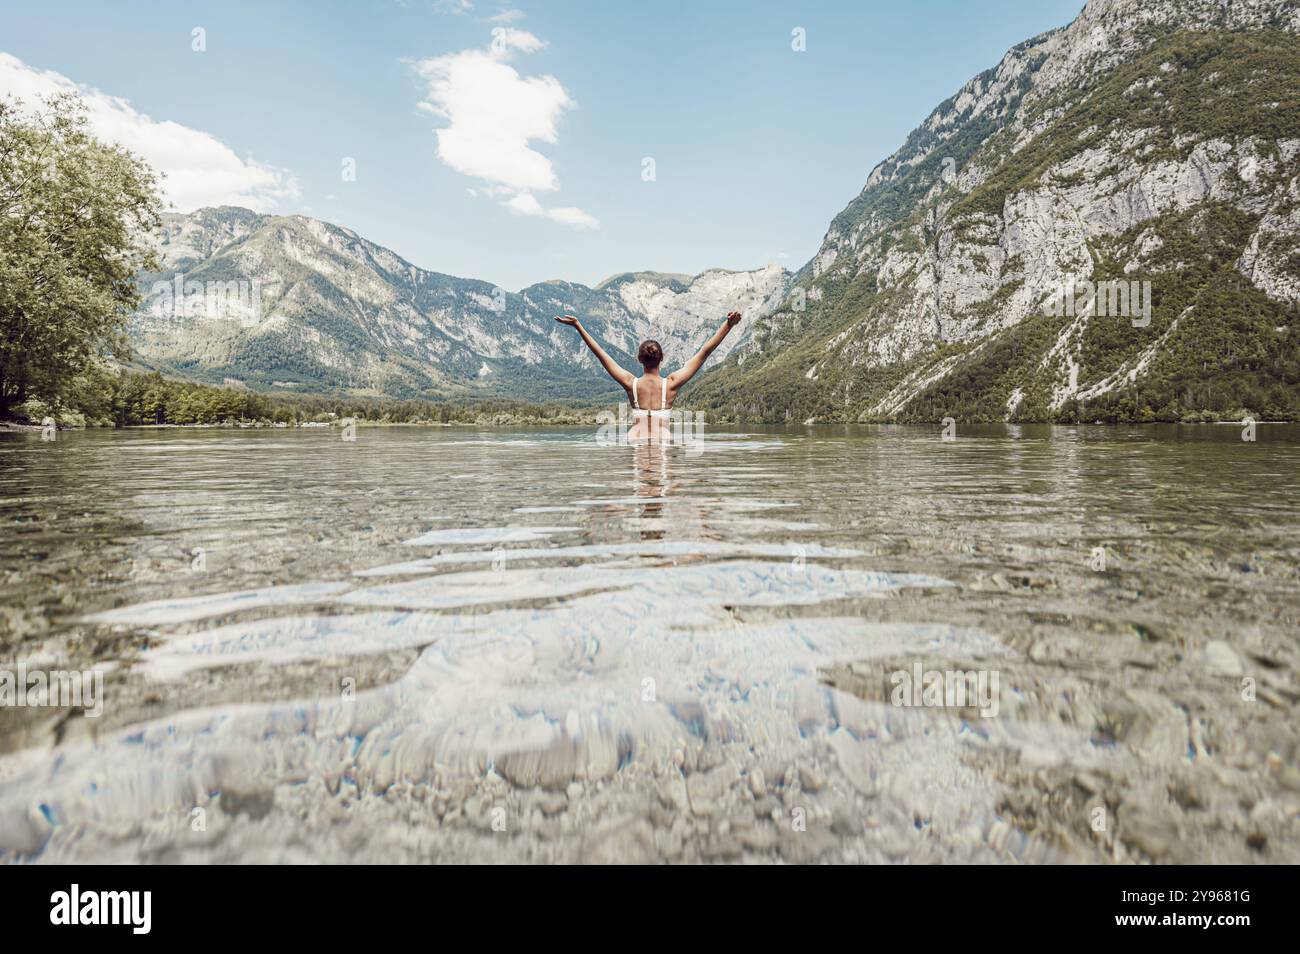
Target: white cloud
[507,38]
[572,215]
[507,16]
[199,169]
[493,115]
[525,203]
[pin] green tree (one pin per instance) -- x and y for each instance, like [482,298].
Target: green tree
[75,215]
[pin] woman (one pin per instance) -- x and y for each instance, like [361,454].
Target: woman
[652,395]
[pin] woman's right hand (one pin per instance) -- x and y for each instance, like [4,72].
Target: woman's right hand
[567,320]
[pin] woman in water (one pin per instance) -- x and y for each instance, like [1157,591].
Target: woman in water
[652,394]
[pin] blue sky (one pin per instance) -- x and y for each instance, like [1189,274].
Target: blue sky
[756,146]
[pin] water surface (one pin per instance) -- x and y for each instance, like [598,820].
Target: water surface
[457,644]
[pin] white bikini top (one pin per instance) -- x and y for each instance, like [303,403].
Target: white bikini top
[662,412]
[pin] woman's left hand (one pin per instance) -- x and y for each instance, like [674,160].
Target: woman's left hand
[567,320]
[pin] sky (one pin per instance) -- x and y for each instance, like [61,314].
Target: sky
[522,142]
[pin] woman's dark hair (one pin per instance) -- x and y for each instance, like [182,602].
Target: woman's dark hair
[650,354]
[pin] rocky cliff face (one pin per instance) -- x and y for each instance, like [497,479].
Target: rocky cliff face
[288,302]
[1150,149]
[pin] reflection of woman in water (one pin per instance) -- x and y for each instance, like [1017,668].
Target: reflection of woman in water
[651,394]
[652,482]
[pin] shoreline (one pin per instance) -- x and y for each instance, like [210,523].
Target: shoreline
[16,426]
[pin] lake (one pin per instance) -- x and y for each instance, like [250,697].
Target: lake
[865,644]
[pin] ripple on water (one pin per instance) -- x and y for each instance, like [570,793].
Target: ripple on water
[478,535]
[651,548]
[740,583]
[185,609]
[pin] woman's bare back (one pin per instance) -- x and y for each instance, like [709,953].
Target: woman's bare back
[652,394]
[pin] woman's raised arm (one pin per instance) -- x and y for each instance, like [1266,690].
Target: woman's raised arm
[616,372]
[688,370]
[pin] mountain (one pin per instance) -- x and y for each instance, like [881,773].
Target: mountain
[1149,143]
[294,303]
